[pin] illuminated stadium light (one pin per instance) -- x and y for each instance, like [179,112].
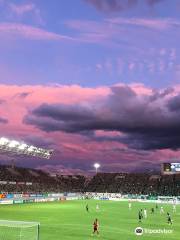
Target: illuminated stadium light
[3,140]
[23,146]
[13,146]
[97,165]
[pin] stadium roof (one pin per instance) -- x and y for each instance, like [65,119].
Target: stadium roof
[13,146]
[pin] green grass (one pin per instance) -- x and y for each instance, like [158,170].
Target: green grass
[69,220]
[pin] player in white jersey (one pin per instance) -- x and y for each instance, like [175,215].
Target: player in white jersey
[161,210]
[145,213]
[97,207]
[174,208]
[130,205]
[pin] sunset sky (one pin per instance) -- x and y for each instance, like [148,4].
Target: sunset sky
[95,80]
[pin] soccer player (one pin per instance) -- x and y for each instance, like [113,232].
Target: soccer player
[97,207]
[169,220]
[96,227]
[130,205]
[152,210]
[161,210]
[87,208]
[156,206]
[174,208]
[145,213]
[139,216]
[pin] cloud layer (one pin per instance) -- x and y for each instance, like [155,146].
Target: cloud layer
[123,126]
[30,32]
[145,121]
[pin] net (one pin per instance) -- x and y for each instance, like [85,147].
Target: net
[19,230]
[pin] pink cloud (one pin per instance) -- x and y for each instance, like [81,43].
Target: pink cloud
[37,95]
[102,133]
[92,31]
[133,32]
[160,24]
[29,32]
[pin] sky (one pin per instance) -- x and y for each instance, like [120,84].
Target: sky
[95,80]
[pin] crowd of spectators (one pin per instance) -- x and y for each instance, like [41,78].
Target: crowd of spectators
[16,180]
[136,183]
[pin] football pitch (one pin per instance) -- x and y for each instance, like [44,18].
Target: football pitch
[69,220]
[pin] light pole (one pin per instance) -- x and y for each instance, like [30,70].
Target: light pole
[96,165]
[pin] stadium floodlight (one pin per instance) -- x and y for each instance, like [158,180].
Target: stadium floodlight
[97,165]
[23,146]
[3,140]
[13,146]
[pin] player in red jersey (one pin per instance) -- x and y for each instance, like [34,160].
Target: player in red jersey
[96,227]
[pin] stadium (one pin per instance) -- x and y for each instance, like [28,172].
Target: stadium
[37,205]
[89,119]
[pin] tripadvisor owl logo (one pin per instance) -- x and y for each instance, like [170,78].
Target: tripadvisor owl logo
[139,231]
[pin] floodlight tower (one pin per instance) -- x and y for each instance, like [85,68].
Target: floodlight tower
[15,147]
[96,166]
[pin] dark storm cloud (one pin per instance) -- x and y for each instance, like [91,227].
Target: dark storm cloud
[148,122]
[3,120]
[61,117]
[111,6]
[64,112]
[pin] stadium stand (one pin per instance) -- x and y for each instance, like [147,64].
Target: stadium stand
[17,180]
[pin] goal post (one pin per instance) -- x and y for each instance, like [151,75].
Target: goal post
[19,230]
